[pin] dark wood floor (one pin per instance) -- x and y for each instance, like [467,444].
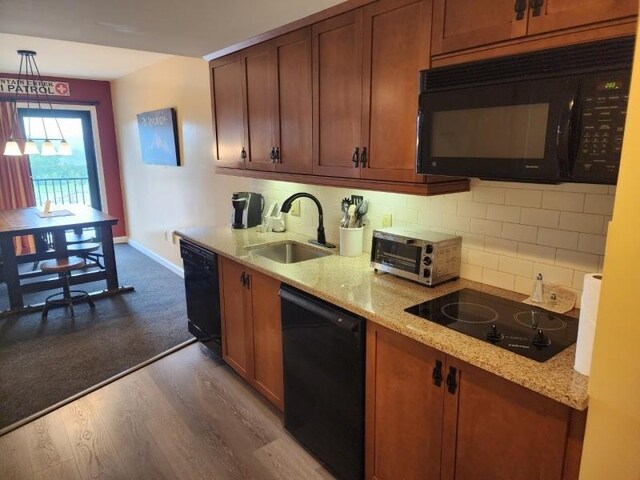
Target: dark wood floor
[186,416]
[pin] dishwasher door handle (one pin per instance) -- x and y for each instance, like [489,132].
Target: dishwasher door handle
[334,316]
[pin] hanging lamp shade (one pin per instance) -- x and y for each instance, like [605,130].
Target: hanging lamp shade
[27,81]
[12,149]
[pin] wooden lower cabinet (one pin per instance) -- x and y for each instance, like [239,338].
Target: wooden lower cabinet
[474,425]
[251,328]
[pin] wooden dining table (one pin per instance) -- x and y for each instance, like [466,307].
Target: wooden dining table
[55,224]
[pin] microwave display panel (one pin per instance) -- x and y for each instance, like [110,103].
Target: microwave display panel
[510,131]
[398,255]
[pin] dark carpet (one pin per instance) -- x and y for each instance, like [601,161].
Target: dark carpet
[43,363]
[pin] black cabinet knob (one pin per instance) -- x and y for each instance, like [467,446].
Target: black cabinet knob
[363,157]
[355,158]
[520,7]
[437,374]
[451,382]
[243,153]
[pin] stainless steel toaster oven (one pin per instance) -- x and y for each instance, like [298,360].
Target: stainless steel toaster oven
[426,257]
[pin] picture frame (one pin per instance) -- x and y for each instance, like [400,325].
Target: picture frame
[158,131]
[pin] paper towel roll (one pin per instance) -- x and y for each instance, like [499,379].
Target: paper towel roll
[587,322]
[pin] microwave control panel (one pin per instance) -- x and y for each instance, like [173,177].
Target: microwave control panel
[603,101]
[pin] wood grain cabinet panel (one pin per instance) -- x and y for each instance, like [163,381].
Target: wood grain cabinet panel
[403,408]
[396,48]
[236,326]
[228,111]
[553,15]
[337,94]
[473,426]
[251,328]
[461,24]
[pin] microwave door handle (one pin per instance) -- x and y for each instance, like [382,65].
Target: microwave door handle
[563,139]
[419,122]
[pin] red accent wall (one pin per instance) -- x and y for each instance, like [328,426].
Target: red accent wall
[98,93]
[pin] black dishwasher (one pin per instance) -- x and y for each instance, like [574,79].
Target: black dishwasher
[324,358]
[203,294]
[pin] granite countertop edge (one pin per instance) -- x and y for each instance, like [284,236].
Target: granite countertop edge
[381,298]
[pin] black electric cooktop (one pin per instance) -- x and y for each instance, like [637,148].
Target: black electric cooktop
[520,328]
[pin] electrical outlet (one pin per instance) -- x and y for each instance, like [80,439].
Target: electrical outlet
[295,209]
[386,220]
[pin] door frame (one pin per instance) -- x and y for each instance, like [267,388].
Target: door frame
[97,150]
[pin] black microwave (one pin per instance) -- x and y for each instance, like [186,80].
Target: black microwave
[547,117]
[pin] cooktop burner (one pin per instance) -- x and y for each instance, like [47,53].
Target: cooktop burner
[526,330]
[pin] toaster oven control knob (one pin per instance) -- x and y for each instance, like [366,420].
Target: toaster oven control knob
[426,273]
[494,335]
[429,248]
[427,261]
[540,339]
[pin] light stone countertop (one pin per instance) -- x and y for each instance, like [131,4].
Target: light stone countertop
[381,298]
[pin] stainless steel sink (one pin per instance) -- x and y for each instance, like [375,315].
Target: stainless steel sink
[290,252]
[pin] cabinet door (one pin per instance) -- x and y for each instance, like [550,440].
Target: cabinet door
[236,317]
[553,15]
[228,111]
[337,94]
[461,24]
[396,48]
[498,430]
[261,98]
[267,338]
[403,408]
[293,125]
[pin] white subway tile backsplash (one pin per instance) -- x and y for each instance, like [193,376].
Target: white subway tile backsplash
[540,217]
[472,209]
[503,213]
[501,246]
[486,227]
[521,197]
[471,272]
[581,222]
[557,238]
[577,260]
[489,195]
[456,223]
[510,231]
[538,253]
[566,201]
[522,233]
[516,266]
[591,243]
[553,274]
[601,204]
[483,259]
[498,279]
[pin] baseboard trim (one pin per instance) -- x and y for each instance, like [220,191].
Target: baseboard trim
[89,390]
[120,239]
[154,256]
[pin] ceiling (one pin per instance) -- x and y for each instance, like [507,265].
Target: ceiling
[192,28]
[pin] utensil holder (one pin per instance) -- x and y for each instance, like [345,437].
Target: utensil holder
[350,241]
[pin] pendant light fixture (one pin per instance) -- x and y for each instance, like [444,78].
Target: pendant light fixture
[29,82]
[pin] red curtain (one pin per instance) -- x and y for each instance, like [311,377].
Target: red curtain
[16,188]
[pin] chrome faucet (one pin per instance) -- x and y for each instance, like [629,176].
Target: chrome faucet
[286,206]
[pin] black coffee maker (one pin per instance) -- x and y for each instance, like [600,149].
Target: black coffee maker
[247,209]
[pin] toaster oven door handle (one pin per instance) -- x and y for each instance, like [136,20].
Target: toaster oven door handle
[565,126]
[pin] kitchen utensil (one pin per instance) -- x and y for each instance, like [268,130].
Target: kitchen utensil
[352,216]
[361,211]
[344,205]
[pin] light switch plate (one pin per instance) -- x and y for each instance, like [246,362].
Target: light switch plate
[386,220]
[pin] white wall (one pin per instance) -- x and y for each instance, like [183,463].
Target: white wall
[510,231]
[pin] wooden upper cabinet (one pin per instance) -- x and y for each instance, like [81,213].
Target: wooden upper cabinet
[461,24]
[552,15]
[228,111]
[396,48]
[261,97]
[498,430]
[337,94]
[403,408]
[294,119]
